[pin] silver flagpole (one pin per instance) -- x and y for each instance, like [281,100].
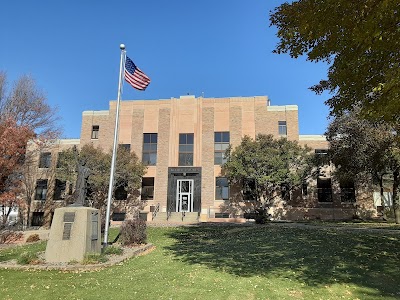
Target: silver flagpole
[114,153]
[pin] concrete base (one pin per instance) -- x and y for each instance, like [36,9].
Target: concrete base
[74,232]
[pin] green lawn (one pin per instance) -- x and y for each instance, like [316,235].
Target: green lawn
[233,262]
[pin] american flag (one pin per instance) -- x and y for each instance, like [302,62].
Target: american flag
[134,76]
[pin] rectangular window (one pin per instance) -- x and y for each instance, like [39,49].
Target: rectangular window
[45,160]
[147,188]
[221,143]
[282,128]
[324,188]
[347,191]
[221,188]
[321,151]
[126,147]
[222,215]
[186,141]
[37,218]
[118,216]
[304,189]
[95,132]
[149,149]
[41,189]
[59,190]
[60,158]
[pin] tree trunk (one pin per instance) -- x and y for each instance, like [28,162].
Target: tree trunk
[382,197]
[28,216]
[396,204]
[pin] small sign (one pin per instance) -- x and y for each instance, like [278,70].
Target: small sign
[67,231]
[69,217]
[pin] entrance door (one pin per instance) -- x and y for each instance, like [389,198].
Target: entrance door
[184,195]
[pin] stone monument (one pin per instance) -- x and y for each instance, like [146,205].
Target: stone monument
[76,229]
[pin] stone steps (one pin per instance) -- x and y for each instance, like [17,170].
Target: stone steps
[176,217]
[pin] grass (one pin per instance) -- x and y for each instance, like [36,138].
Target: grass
[232,262]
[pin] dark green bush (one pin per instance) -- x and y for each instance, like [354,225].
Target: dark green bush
[133,232]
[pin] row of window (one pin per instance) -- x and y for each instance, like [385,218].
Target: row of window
[186,147]
[221,189]
[282,130]
[324,190]
[59,189]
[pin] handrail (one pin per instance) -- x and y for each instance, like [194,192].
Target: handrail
[156,210]
[169,211]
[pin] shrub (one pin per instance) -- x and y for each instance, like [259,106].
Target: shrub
[133,232]
[33,238]
[94,258]
[262,216]
[9,236]
[113,250]
[27,258]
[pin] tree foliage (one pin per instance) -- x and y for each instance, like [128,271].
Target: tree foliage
[270,164]
[25,116]
[359,146]
[359,39]
[13,140]
[128,175]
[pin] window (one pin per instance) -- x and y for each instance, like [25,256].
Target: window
[282,128]
[249,187]
[120,192]
[324,188]
[45,160]
[147,188]
[347,191]
[221,188]
[221,215]
[59,190]
[95,132]
[321,151]
[221,143]
[126,147]
[304,189]
[149,149]
[41,189]
[37,218]
[60,158]
[185,149]
[118,216]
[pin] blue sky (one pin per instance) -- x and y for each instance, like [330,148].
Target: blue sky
[220,48]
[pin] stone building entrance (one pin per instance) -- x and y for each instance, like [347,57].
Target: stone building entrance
[184,189]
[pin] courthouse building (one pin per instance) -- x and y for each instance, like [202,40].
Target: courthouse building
[183,140]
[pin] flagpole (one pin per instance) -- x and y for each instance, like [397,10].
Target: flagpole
[114,153]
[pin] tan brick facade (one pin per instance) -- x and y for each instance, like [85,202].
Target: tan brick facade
[202,117]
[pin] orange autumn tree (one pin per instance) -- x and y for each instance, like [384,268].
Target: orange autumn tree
[13,141]
[25,115]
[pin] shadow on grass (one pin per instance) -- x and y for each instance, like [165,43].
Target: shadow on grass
[313,256]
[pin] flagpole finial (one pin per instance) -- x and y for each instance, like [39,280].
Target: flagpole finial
[122,47]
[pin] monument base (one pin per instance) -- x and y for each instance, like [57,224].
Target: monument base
[74,232]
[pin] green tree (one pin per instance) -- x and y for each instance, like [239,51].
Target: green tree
[360,40]
[361,147]
[128,175]
[266,167]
